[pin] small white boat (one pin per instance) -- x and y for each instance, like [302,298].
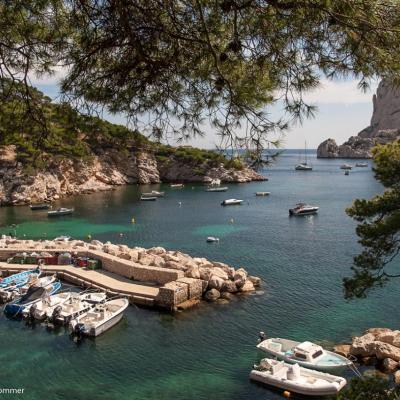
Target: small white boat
[231,202]
[217,189]
[346,166]
[263,193]
[306,354]
[362,164]
[153,193]
[144,198]
[212,239]
[296,379]
[177,185]
[47,305]
[100,318]
[303,209]
[63,239]
[60,212]
[303,167]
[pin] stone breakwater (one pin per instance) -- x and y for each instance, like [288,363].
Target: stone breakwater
[180,277]
[102,172]
[379,347]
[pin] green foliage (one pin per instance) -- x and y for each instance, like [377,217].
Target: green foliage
[369,389]
[178,63]
[379,226]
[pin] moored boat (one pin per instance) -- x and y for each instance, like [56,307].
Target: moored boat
[346,166]
[144,198]
[362,164]
[43,206]
[296,379]
[303,209]
[153,193]
[47,305]
[100,318]
[176,185]
[60,212]
[306,354]
[263,193]
[212,239]
[216,189]
[303,165]
[231,202]
[18,279]
[33,295]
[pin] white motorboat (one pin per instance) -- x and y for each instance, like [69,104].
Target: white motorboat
[263,193]
[231,202]
[144,198]
[47,305]
[77,304]
[176,185]
[212,239]
[296,379]
[346,166]
[63,239]
[303,209]
[362,164]
[305,354]
[60,212]
[100,318]
[217,189]
[153,193]
[304,166]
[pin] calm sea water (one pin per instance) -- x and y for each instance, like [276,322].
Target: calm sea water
[207,352]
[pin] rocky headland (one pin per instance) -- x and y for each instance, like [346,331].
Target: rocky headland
[379,347]
[384,127]
[106,170]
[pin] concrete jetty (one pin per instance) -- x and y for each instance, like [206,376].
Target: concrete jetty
[153,277]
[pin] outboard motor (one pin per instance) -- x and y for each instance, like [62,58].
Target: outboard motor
[30,317]
[78,331]
[261,337]
[56,313]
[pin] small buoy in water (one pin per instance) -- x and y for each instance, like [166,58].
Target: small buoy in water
[89,236]
[180,204]
[133,220]
[232,221]
[286,394]
[121,234]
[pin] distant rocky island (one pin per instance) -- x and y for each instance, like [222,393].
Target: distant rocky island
[84,154]
[384,127]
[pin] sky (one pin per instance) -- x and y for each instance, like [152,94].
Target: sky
[343,111]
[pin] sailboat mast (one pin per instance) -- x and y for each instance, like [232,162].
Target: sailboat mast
[305,152]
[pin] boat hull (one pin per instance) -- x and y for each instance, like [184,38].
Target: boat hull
[326,390]
[105,326]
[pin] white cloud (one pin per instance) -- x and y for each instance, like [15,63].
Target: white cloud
[340,92]
[59,72]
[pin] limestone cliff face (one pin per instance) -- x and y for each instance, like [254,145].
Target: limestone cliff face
[384,127]
[104,171]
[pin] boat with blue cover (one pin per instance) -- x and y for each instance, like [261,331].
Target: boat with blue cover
[306,354]
[33,295]
[18,280]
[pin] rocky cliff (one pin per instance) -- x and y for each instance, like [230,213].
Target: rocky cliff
[384,127]
[104,171]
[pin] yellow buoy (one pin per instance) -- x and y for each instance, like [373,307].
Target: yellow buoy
[286,394]
[89,236]
[133,220]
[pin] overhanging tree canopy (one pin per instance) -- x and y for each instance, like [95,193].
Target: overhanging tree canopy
[183,62]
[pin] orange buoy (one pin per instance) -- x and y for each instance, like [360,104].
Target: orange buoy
[286,394]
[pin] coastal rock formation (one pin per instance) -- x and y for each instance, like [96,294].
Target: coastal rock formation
[103,171]
[380,346]
[174,269]
[384,127]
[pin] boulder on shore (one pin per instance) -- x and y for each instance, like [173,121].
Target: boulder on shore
[212,295]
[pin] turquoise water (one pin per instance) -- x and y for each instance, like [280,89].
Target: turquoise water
[207,352]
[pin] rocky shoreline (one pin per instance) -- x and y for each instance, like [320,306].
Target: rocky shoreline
[379,347]
[211,280]
[102,172]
